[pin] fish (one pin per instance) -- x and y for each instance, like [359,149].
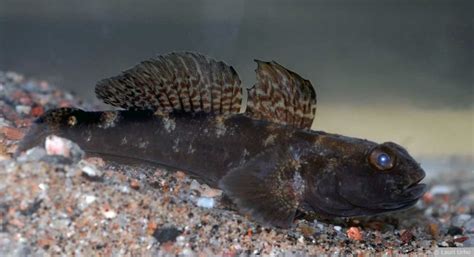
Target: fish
[182,110]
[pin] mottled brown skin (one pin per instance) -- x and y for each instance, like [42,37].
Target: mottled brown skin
[269,170]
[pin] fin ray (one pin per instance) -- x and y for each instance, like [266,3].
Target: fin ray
[282,96]
[176,81]
[269,187]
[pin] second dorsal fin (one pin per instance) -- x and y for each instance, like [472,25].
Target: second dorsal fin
[176,81]
[281,96]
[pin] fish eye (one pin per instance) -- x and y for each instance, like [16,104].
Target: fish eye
[381,160]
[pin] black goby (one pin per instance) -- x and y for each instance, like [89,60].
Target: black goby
[182,110]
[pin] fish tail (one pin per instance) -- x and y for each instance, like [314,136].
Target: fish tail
[55,122]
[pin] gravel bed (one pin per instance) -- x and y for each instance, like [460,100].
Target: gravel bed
[66,204]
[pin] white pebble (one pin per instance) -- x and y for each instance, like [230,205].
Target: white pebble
[441,190]
[43,186]
[88,199]
[195,185]
[57,146]
[91,171]
[24,109]
[125,189]
[109,214]
[205,202]
[338,228]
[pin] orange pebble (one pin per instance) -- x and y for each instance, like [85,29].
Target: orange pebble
[12,133]
[354,233]
[151,227]
[180,175]
[249,232]
[427,197]
[37,111]
[134,184]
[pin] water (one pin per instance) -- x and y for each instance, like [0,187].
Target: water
[384,70]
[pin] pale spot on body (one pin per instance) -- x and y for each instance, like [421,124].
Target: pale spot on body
[142,144]
[298,184]
[87,134]
[108,119]
[72,121]
[191,149]
[176,145]
[221,129]
[269,140]
[243,158]
[169,124]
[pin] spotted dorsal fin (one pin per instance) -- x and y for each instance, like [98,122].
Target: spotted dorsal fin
[176,81]
[281,96]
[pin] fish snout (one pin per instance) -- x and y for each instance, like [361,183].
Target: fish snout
[415,177]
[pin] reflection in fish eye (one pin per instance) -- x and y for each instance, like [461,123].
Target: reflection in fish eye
[383,159]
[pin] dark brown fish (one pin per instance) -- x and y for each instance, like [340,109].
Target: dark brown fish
[182,111]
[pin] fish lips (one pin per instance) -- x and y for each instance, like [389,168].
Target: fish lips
[407,198]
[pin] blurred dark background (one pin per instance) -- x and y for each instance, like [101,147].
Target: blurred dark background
[385,70]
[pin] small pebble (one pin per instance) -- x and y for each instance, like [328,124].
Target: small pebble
[86,200]
[443,244]
[460,239]
[205,202]
[433,228]
[55,145]
[469,226]
[37,111]
[460,220]
[195,185]
[33,154]
[91,171]
[180,175]
[454,231]
[441,190]
[469,242]
[210,192]
[109,213]
[12,133]
[166,234]
[354,233]
[135,184]
[306,230]
[406,236]
[23,109]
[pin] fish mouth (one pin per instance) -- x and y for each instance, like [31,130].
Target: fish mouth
[410,196]
[407,198]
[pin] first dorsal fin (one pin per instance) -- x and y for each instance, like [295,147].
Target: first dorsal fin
[281,96]
[176,81]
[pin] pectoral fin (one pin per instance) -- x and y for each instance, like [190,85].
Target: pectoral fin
[269,187]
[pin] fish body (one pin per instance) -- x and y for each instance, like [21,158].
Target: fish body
[183,112]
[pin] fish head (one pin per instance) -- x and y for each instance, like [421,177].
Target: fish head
[368,179]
